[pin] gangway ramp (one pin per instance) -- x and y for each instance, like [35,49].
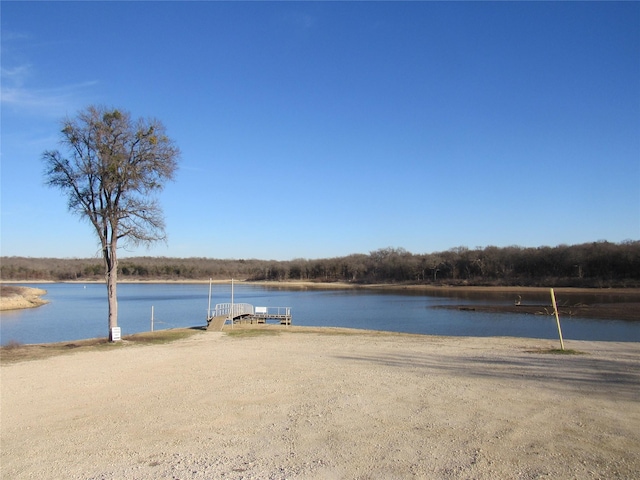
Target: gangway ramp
[215,324]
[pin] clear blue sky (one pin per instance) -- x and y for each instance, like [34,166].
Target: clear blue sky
[322,129]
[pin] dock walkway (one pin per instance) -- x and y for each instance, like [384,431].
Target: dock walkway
[246,313]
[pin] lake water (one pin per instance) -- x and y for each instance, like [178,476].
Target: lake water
[77,311]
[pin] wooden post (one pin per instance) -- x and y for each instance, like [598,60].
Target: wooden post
[152,318]
[555,309]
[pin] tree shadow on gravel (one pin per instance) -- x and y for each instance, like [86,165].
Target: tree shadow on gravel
[592,376]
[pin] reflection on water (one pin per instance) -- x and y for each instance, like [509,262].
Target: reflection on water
[79,311]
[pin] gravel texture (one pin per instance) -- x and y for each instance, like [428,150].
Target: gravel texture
[334,404]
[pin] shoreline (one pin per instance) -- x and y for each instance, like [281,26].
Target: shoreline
[66,346]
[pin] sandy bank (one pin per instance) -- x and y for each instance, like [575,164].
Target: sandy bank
[444,289]
[303,284]
[318,404]
[14,298]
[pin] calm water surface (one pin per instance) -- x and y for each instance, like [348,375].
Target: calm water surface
[79,311]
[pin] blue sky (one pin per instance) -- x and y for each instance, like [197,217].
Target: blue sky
[317,130]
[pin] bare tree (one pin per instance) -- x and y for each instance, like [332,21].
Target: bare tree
[112,169]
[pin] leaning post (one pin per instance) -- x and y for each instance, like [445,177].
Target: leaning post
[555,309]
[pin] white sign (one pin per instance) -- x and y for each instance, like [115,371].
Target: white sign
[260,310]
[115,334]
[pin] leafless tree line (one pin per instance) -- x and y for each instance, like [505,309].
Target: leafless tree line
[597,264]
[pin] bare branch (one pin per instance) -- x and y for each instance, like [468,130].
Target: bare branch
[113,168]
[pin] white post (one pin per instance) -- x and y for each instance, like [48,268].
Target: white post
[232,303]
[209,307]
[152,318]
[555,309]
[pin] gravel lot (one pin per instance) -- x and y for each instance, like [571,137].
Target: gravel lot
[320,404]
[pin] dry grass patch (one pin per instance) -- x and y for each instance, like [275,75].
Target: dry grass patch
[557,351]
[15,352]
[251,332]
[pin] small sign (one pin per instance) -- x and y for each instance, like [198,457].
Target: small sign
[261,310]
[115,334]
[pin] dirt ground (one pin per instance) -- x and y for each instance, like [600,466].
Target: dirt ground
[301,403]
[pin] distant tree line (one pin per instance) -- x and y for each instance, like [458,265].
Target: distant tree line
[597,264]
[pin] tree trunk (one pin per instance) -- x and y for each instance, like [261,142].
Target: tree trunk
[112,282]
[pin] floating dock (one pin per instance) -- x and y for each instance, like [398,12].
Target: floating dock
[232,312]
[246,313]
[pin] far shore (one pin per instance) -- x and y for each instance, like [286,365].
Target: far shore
[304,284]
